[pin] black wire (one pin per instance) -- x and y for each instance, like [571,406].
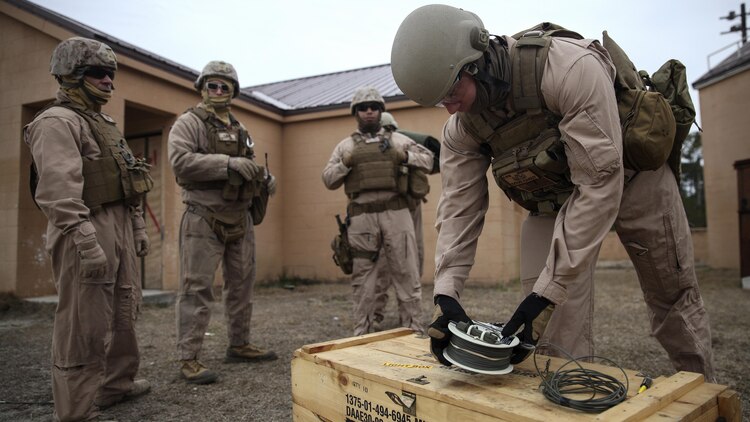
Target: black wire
[605,390]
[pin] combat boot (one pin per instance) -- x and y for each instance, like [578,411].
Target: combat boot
[140,387]
[195,373]
[248,353]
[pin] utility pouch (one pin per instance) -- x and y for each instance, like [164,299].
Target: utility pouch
[402,179]
[228,226]
[535,173]
[419,186]
[648,128]
[259,206]
[232,186]
[140,177]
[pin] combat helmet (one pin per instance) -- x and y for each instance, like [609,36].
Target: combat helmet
[366,94]
[221,69]
[78,52]
[431,47]
[387,119]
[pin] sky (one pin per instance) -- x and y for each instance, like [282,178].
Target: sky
[273,41]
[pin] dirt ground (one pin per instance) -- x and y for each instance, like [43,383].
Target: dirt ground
[286,318]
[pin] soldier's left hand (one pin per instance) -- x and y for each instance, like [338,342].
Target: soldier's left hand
[140,237]
[533,314]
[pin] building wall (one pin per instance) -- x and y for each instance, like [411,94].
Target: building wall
[726,139]
[146,100]
[293,240]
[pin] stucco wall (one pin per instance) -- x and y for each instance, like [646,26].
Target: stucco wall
[726,139]
[294,239]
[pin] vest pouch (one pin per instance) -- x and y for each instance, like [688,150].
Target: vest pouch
[535,173]
[228,226]
[101,182]
[402,180]
[251,189]
[648,129]
[378,175]
[232,186]
[140,178]
[419,186]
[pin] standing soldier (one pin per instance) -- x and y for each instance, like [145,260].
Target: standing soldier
[90,187]
[548,125]
[415,207]
[225,191]
[375,165]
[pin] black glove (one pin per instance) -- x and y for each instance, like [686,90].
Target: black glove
[446,309]
[534,314]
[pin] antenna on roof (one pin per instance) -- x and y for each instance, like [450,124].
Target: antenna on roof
[742,27]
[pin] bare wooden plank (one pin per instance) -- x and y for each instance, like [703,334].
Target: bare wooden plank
[300,414]
[654,399]
[730,406]
[691,406]
[354,341]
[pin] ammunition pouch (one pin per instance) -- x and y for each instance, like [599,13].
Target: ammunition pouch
[229,226]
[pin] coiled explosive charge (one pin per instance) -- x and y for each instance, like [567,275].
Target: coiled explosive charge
[480,347]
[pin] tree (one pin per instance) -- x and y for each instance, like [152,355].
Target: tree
[691,180]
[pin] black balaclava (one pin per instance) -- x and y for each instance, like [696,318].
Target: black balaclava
[492,77]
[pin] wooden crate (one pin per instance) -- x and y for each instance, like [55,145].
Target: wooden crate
[391,376]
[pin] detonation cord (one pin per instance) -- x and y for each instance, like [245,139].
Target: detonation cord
[479,357]
[605,391]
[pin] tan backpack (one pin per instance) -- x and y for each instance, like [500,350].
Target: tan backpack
[647,105]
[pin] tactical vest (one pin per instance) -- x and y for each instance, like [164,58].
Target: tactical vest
[115,176]
[233,141]
[375,166]
[528,158]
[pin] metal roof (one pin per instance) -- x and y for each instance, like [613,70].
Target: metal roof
[328,91]
[735,63]
[296,96]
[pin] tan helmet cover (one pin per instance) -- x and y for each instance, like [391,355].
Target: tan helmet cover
[366,94]
[431,47]
[77,52]
[220,69]
[387,119]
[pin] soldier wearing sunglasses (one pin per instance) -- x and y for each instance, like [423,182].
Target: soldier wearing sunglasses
[375,166]
[226,193]
[90,187]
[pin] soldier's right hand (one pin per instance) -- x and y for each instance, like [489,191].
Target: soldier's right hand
[245,167]
[93,262]
[446,309]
